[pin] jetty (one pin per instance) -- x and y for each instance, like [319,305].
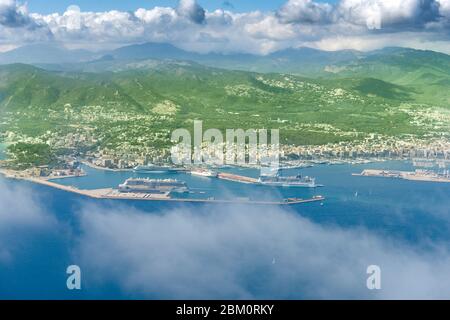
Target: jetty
[236,178]
[114,194]
[418,175]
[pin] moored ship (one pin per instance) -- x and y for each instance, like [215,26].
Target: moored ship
[152,168]
[288,181]
[137,185]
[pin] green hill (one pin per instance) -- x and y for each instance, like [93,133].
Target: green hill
[426,72]
[136,109]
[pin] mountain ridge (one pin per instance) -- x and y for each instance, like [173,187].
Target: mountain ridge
[303,60]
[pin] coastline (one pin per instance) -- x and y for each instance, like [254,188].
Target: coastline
[284,165]
[112,194]
[9,174]
[93,166]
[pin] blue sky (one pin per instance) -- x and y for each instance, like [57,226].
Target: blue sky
[359,25]
[50,6]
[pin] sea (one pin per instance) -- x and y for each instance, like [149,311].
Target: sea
[37,269]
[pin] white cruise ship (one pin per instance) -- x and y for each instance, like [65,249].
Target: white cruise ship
[288,181]
[137,185]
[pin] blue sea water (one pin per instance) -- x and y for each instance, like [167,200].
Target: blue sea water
[410,212]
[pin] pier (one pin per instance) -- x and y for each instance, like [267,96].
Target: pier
[114,194]
[418,175]
[236,178]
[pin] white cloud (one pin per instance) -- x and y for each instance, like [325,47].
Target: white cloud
[305,11]
[241,252]
[297,22]
[20,213]
[377,14]
[444,8]
[12,14]
[422,41]
[192,10]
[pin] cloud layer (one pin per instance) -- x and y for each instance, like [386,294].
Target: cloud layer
[245,253]
[296,23]
[20,213]
[226,252]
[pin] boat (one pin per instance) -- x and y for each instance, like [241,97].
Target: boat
[158,186]
[288,181]
[204,173]
[151,168]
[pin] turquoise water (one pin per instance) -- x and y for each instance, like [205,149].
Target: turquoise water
[416,213]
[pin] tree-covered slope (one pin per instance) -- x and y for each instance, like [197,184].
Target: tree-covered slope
[427,72]
[141,105]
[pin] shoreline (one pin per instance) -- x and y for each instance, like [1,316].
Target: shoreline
[284,164]
[113,194]
[93,166]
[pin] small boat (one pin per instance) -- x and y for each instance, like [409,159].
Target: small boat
[204,173]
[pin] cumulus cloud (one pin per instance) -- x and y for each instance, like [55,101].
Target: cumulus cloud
[12,14]
[377,14]
[191,27]
[18,27]
[20,213]
[192,10]
[373,14]
[444,8]
[245,253]
[305,11]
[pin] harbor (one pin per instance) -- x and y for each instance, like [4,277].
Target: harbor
[156,193]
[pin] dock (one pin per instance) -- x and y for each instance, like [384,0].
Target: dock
[114,194]
[418,175]
[237,178]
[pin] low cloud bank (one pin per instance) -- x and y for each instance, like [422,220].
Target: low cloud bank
[229,252]
[244,253]
[21,213]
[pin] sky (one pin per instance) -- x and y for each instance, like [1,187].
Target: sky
[258,27]
[47,6]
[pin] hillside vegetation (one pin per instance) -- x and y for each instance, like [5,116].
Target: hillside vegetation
[136,107]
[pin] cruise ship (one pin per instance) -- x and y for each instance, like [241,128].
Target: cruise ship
[288,181]
[137,185]
[151,168]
